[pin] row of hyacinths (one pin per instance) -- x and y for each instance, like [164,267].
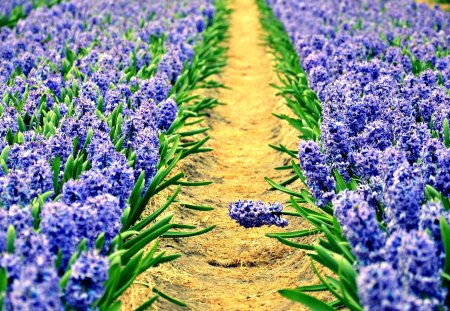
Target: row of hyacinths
[371,101]
[84,89]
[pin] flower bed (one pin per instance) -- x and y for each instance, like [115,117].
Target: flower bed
[14,10]
[371,104]
[94,97]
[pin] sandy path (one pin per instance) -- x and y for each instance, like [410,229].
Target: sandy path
[232,268]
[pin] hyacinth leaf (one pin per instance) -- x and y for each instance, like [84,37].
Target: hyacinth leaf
[10,239]
[446,133]
[286,182]
[68,169]
[341,185]
[332,285]
[128,274]
[3,284]
[113,279]
[9,137]
[146,238]
[174,234]
[137,190]
[21,124]
[312,288]
[297,124]
[161,223]
[167,152]
[194,184]
[194,122]
[171,181]
[324,257]
[80,248]
[147,220]
[445,232]
[295,245]
[283,149]
[164,259]
[431,192]
[336,246]
[348,275]
[183,226]
[5,153]
[149,257]
[294,234]
[197,207]
[137,210]
[313,303]
[100,241]
[283,167]
[194,132]
[146,305]
[168,298]
[115,306]
[298,171]
[446,277]
[152,261]
[65,278]
[195,148]
[284,189]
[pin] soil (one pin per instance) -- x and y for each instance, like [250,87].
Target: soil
[233,268]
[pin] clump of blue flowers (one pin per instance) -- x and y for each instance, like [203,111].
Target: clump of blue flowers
[87,280]
[252,214]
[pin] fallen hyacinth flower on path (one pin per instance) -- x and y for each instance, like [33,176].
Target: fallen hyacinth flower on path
[231,267]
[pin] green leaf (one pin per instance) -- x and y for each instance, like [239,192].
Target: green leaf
[170,299]
[186,234]
[197,207]
[3,280]
[100,241]
[446,133]
[146,305]
[10,239]
[313,303]
[115,306]
[445,232]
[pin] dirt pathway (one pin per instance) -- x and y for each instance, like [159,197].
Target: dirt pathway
[232,268]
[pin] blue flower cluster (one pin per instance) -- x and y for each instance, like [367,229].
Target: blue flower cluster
[318,173]
[84,97]
[251,214]
[21,7]
[381,70]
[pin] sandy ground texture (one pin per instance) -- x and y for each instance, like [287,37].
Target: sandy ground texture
[232,268]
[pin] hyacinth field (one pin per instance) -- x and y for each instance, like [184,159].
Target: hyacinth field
[224,155]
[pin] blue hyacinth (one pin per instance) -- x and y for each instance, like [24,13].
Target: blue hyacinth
[360,227]
[251,214]
[87,280]
[317,172]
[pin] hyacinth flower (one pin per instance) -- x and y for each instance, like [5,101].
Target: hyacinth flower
[360,226]
[87,280]
[379,288]
[253,214]
[404,198]
[317,172]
